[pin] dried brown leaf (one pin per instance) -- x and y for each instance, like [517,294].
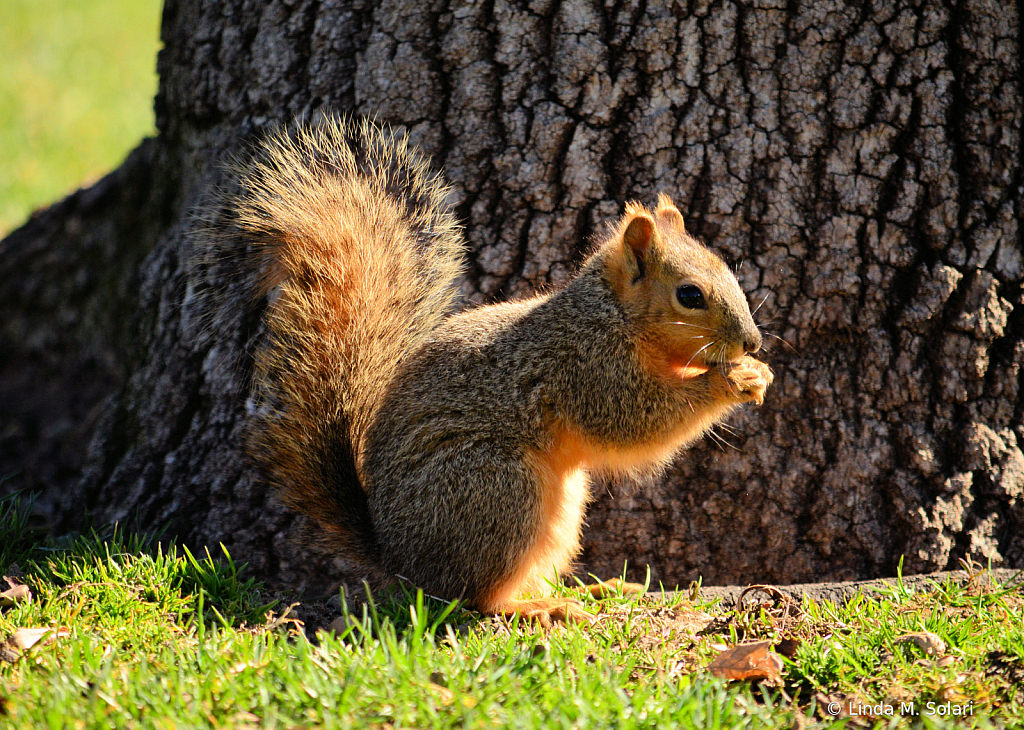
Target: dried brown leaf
[748,661]
[25,639]
[17,594]
[926,641]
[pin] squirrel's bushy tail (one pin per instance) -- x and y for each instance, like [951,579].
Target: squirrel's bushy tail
[361,260]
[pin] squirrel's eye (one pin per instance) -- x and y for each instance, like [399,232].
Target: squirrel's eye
[690,296]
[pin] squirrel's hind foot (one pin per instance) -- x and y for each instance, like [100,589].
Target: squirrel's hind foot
[546,611]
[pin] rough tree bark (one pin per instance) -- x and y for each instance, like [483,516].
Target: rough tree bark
[861,162]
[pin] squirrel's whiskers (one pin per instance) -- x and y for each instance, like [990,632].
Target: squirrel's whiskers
[762,303]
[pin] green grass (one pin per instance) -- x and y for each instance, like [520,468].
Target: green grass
[157,638]
[77,79]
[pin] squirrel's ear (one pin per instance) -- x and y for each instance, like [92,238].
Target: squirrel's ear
[669,214]
[638,237]
[639,234]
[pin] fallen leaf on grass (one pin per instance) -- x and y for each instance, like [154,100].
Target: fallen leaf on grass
[748,661]
[27,638]
[22,640]
[15,595]
[926,641]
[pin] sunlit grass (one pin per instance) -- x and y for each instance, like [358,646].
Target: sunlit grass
[144,636]
[77,79]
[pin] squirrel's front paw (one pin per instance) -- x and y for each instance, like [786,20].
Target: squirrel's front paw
[748,379]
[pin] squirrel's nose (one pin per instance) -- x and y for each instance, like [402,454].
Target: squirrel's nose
[753,343]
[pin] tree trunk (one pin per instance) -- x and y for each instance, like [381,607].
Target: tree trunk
[860,163]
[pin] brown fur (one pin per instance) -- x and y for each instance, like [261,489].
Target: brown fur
[341,215]
[454,450]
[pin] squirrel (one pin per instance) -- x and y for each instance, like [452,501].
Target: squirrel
[453,449]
